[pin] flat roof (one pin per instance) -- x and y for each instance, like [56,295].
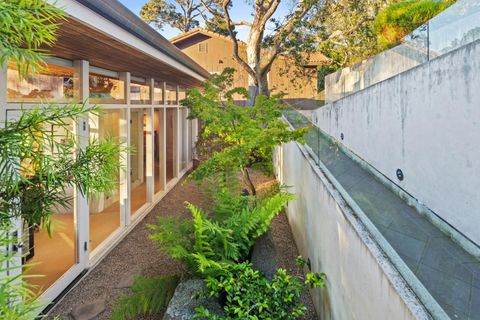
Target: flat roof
[112,37]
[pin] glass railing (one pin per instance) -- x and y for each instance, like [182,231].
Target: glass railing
[455,27]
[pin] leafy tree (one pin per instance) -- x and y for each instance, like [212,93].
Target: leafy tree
[345,32]
[262,46]
[183,15]
[244,137]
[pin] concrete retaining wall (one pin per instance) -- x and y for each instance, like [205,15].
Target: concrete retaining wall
[426,122]
[361,283]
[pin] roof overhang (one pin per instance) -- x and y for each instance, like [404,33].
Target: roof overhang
[112,37]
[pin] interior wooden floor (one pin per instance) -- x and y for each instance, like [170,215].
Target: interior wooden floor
[55,254]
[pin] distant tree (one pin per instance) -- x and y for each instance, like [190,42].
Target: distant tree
[345,30]
[183,15]
[217,25]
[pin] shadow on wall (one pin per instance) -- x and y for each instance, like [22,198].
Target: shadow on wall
[299,104]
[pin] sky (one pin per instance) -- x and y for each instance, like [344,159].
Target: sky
[240,11]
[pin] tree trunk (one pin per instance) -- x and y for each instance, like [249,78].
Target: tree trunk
[248,181]
[257,83]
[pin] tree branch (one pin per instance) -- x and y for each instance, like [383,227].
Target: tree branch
[242,23]
[285,30]
[236,54]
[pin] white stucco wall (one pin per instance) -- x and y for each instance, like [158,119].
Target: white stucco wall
[360,281]
[425,121]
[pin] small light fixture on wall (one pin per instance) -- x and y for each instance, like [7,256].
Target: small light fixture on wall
[400,175]
[342,136]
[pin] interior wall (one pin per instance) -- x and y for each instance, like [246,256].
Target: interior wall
[425,122]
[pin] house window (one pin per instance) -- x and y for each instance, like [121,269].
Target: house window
[105,89]
[139,92]
[51,83]
[203,47]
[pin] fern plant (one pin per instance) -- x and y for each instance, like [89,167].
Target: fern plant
[148,297]
[208,246]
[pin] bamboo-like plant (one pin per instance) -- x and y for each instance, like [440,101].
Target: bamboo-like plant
[25,27]
[37,163]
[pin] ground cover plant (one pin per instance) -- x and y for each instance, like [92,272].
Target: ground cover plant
[250,295]
[148,297]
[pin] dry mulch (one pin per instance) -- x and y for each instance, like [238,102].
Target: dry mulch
[137,252]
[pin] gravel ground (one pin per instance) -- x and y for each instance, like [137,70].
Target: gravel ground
[137,252]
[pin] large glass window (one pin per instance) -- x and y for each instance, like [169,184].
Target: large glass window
[158,93]
[171,142]
[51,254]
[184,138]
[51,83]
[104,89]
[171,95]
[139,93]
[182,94]
[104,208]
[159,156]
[138,195]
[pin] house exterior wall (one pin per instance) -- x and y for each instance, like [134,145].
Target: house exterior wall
[285,76]
[360,281]
[425,122]
[134,114]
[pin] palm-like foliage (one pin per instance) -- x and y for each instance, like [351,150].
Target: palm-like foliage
[12,289]
[38,164]
[26,26]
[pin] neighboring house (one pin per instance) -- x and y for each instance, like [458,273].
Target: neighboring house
[214,52]
[106,55]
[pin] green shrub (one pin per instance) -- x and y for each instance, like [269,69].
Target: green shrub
[250,295]
[401,18]
[208,246]
[149,296]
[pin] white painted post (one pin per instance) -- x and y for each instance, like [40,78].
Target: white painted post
[149,154]
[81,207]
[179,133]
[150,143]
[126,189]
[163,138]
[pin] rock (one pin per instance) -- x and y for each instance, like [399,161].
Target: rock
[184,301]
[88,311]
[128,278]
[264,255]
